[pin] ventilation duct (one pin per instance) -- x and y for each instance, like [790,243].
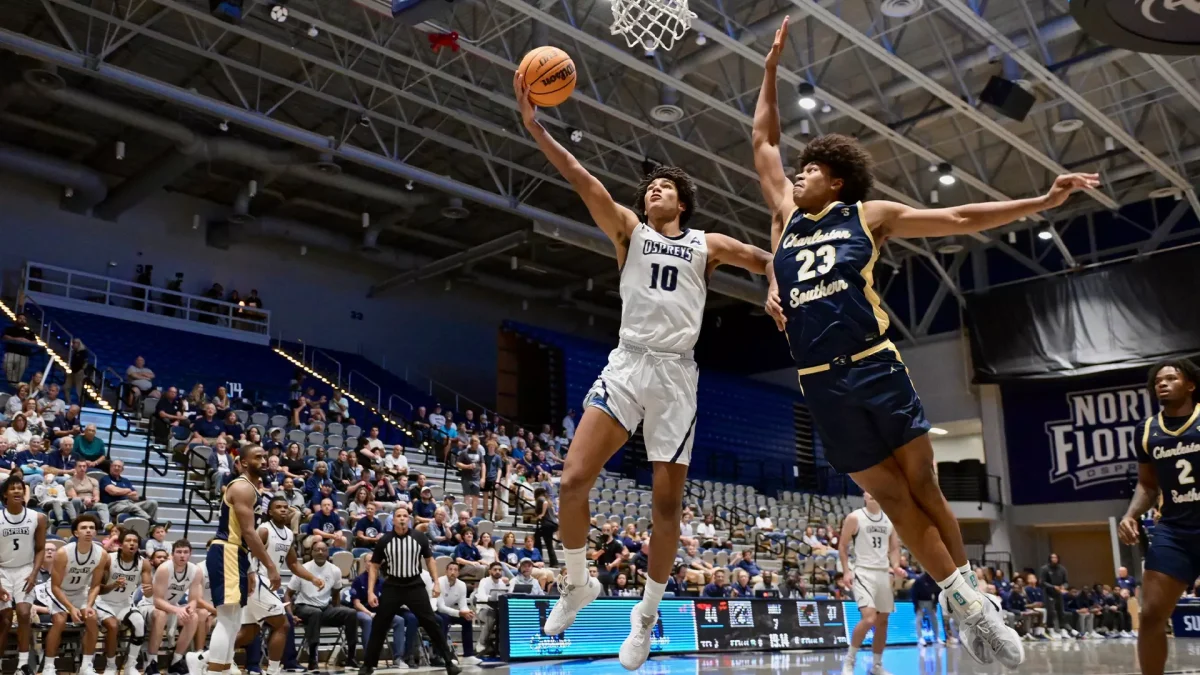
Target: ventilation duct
[87,187]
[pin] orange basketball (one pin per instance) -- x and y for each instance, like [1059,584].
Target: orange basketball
[550,73]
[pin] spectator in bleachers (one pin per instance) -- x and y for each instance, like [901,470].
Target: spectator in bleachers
[1077,605]
[396,463]
[678,583]
[30,461]
[80,355]
[404,623]
[368,530]
[621,588]
[358,505]
[462,526]
[748,564]
[509,554]
[719,588]
[297,508]
[741,586]
[301,412]
[293,463]
[19,343]
[424,508]
[51,403]
[318,607]
[90,450]
[339,471]
[765,583]
[440,536]
[819,548]
[468,425]
[699,570]
[540,572]
[609,554]
[1035,599]
[339,408]
[326,492]
[793,586]
[326,527]
[545,524]
[468,463]
[273,478]
[221,464]
[687,530]
[469,559]
[525,575]
[1053,579]
[206,427]
[502,439]
[168,413]
[84,493]
[233,430]
[67,425]
[706,532]
[489,477]
[319,478]
[1125,581]
[274,442]
[634,542]
[36,385]
[52,498]
[221,400]
[118,493]
[140,380]
[196,398]
[766,527]
[17,435]
[16,402]
[37,425]
[61,463]
[488,553]
[452,605]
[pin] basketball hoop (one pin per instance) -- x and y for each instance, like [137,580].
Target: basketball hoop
[651,24]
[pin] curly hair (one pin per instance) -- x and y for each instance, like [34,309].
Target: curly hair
[684,186]
[1190,373]
[847,160]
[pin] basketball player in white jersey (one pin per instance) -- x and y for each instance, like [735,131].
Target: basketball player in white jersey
[74,586]
[124,571]
[178,588]
[22,540]
[650,378]
[876,559]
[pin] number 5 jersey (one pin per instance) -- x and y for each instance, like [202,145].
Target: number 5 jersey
[651,376]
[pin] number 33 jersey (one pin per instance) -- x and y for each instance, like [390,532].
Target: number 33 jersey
[824,267]
[663,287]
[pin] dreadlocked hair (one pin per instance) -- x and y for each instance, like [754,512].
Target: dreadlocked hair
[684,186]
[1191,373]
[847,160]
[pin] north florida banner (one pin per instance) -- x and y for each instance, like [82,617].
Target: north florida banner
[1073,440]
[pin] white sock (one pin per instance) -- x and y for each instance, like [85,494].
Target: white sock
[651,595]
[879,659]
[131,659]
[577,571]
[274,667]
[110,665]
[958,591]
[22,659]
[969,574]
[176,657]
[87,660]
[852,653]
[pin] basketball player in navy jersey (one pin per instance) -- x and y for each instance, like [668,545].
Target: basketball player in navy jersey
[650,378]
[826,240]
[1168,451]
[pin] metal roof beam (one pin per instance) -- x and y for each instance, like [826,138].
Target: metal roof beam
[452,262]
[1035,68]
[932,86]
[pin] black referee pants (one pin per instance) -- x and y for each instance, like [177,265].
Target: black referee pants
[394,599]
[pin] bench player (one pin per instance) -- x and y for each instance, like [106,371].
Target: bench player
[826,240]
[74,586]
[123,572]
[876,558]
[1168,450]
[177,590]
[228,560]
[650,378]
[22,541]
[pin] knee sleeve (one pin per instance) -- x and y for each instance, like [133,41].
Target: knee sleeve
[137,625]
[229,620]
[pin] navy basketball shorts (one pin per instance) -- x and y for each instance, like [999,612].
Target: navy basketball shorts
[864,410]
[1175,553]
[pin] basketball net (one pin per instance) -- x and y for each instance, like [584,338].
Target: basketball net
[651,23]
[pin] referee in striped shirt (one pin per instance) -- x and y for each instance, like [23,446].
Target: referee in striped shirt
[398,555]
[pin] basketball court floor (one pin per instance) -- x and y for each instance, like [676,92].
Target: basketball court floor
[1109,657]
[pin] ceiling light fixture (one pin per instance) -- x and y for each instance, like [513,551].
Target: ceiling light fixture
[701,40]
[804,128]
[576,135]
[1045,235]
[366,220]
[513,263]
[120,150]
[807,93]
[933,196]
[313,32]
[408,186]
[938,431]
[279,13]
[946,174]
[224,125]
[363,120]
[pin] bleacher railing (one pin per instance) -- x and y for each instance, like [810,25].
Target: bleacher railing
[51,280]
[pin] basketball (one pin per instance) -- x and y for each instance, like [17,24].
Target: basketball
[550,73]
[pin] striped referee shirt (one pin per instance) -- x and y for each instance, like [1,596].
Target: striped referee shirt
[401,558]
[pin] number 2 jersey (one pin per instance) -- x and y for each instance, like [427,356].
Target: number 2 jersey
[1173,445]
[664,285]
[824,266]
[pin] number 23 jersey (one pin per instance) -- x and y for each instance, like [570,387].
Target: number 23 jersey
[824,266]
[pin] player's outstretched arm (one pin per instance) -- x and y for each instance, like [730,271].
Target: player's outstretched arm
[615,220]
[768,160]
[891,219]
[1145,495]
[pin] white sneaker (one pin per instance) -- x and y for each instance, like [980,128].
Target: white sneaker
[965,631]
[877,669]
[636,648]
[470,661]
[87,669]
[1055,635]
[399,664]
[990,635]
[48,667]
[571,599]
[921,642]
[847,666]
[111,667]
[233,667]
[197,663]
[951,641]
[130,667]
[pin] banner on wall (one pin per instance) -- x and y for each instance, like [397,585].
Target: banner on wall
[1075,440]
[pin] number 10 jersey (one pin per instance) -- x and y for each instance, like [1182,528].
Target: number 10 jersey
[663,287]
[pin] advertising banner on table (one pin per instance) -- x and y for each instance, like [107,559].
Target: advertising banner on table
[1074,440]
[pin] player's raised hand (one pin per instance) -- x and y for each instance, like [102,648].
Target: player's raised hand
[1128,531]
[1069,183]
[521,89]
[777,46]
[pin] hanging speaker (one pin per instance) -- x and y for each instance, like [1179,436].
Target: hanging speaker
[1008,97]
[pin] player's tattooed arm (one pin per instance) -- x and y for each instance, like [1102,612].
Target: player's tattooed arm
[890,219]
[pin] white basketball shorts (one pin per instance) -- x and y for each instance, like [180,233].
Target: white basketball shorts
[873,588]
[13,579]
[105,610]
[261,605]
[656,389]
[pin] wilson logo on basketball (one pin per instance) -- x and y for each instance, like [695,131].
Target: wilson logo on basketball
[564,74]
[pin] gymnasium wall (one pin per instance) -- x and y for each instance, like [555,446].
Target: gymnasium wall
[450,336]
